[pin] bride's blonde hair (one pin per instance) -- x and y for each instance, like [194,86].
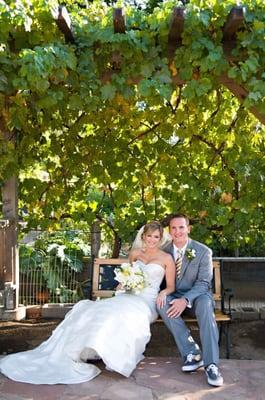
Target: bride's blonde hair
[151,227]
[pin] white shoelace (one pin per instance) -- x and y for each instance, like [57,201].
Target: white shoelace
[213,368]
[190,357]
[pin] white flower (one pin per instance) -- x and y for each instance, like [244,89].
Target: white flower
[190,254]
[131,277]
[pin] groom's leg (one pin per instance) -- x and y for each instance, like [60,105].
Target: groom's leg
[179,330]
[204,310]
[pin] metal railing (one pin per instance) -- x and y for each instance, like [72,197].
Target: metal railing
[58,273]
[246,277]
[65,286]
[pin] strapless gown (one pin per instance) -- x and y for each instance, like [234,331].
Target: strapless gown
[115,329]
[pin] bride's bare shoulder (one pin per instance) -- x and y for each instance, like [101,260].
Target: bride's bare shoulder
[166,255]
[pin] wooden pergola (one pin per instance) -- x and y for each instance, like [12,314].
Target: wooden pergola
[235,21]
[8,226]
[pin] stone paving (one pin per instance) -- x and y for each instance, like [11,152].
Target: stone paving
[156,378]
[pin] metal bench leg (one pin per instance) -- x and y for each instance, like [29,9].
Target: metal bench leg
[227,340]
[225,329]
[220,333]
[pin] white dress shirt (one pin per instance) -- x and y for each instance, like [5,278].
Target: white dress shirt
[177,250]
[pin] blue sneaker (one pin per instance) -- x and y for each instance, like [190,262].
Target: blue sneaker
[214,376]
[192,362]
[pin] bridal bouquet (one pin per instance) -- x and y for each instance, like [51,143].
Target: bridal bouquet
[131,277]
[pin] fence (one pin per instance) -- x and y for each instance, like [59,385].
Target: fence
[63,275]
[53,268]
[246,276]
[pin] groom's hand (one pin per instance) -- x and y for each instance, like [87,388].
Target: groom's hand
[177,307]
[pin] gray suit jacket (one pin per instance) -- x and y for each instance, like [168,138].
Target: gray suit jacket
[196,274]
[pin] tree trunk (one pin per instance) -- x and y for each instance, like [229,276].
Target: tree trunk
[117,246]
[95,238]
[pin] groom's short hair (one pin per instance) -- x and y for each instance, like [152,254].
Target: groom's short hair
[173,216]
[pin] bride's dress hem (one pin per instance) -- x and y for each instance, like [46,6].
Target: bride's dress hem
[117,329]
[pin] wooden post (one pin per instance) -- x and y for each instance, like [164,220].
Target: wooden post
[10,263]
[234,22]
[119,23]
[119,26]
[3,225]
[175,31]
[63,21]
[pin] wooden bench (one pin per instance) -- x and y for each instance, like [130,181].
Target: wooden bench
[103,286]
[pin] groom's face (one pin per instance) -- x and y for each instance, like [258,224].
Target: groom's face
[179,231]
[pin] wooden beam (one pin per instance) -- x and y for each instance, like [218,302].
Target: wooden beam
[238,91]
[234,22]
[119,26]
[63,21]
[175,31]
[119,23]
[241,93]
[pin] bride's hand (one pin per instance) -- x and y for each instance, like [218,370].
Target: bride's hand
[119,287]
[161,299]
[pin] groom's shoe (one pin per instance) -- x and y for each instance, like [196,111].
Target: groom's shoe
[214,377]
[192,362]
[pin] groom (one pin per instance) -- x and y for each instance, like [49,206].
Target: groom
[193,296]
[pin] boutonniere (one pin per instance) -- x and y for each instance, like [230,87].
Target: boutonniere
[190,254]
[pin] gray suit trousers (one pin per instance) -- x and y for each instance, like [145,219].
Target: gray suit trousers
[204,311]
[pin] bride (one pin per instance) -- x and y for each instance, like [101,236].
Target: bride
[115,330]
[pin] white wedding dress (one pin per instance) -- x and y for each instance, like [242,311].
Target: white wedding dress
[115,329]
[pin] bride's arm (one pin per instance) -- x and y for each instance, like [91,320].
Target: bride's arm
[133,255]
[170,276]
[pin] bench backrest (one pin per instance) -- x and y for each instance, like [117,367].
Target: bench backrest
[103,284]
